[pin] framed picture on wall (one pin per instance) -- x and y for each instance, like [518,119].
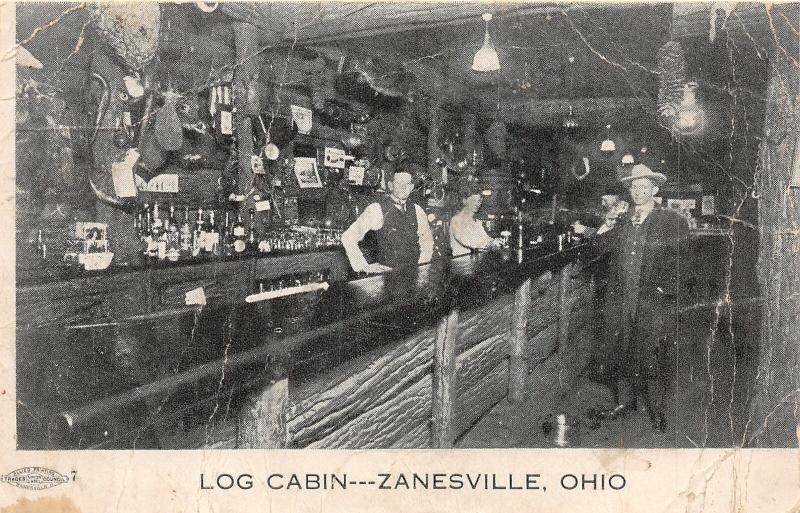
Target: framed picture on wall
[305,169]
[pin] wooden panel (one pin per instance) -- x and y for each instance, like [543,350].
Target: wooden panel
[230,286]
[369,383]
[541,346]
[335,260]
[418,437]
[64,302]
[479,360]
[486,321]
[386,424]
[479,399]
[543,311]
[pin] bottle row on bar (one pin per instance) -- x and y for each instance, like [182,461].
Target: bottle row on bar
[166,238]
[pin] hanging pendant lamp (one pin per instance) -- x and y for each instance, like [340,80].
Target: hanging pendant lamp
[608,143]
[486,58]
[570,122]
[689,117]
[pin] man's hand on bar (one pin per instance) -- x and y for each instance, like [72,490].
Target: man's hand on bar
[376,268]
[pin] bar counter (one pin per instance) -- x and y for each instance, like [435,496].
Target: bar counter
[410,358]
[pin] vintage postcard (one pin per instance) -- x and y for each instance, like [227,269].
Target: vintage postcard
[400,256]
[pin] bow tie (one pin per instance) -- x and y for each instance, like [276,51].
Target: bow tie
[637,218]
[400,205]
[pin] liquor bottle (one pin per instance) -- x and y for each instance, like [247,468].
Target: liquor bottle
[149,249]
[161,244]
[265,245]
[171,219]
[212,235]
[158,224]
[239,235]
[227,235]
[252,235]
[186,234]
[198,235]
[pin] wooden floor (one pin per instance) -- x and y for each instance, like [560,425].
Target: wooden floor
[707,405]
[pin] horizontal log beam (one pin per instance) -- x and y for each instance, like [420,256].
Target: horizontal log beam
[315,23]
[550,113]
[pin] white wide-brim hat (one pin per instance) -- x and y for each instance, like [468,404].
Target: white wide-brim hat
[642,171]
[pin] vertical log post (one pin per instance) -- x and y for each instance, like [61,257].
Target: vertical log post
[262,419]
[564,305]
[246,47]
[774,419]
[444,381]
[517,370]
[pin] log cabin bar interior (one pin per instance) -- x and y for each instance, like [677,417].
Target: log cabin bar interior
[387,225]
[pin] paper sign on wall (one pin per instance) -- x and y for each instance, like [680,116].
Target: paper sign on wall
[302,117]
[355,175]
[226,122]
[707,206]
[682,204]
[305,169]
[122,175]
[166,182]
[335,157]
[257,165]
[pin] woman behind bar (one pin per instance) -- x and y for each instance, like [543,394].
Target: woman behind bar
[466,232]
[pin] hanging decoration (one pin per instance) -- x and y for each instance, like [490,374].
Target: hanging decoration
[672,77]
[571,122]
[727,8]
[131,29]
[586,170]
[168,127]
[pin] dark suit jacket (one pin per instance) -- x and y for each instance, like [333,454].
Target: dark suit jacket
[661,285]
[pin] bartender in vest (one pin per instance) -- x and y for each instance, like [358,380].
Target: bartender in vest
[403,235]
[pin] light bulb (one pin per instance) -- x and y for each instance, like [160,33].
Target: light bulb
[689,116]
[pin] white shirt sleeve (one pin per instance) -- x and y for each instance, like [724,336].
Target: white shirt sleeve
[470,233]
[603,229]
[425,236]
[371,219]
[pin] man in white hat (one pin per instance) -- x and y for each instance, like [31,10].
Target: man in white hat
[642,292]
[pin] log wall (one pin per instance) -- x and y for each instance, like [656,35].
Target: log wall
[387,397]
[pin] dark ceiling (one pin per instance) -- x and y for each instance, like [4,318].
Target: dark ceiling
[609,59]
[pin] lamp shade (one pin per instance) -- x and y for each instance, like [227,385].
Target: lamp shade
[608,142]
[486,58]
